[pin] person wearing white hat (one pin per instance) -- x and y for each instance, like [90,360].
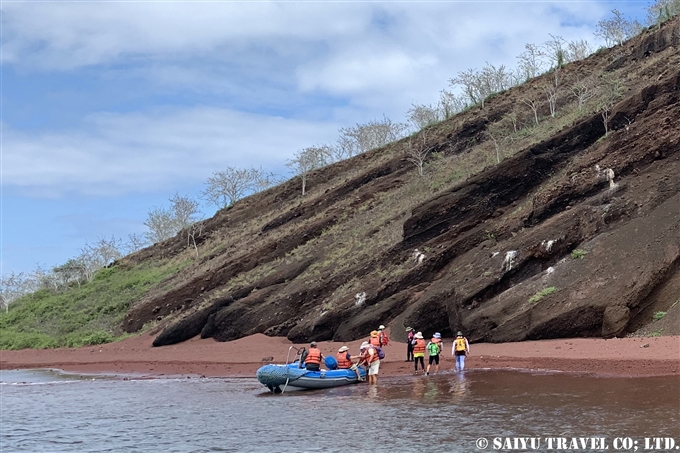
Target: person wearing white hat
[345,362]
[419,351]
[434,349]
[369,358]
[382,336]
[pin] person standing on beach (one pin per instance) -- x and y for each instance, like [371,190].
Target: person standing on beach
[434,349]
[374,339]
[410,332]
[460,350]
[344,359]
[382,336]
[419,351]
[313,358]
[369,357]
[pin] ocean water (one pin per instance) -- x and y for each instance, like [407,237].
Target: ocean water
[45,411]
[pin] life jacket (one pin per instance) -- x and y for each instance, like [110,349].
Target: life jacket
[343,361]
[382,336]
[374,341]
[419,346]
[313,356]
[368,357]
[460,344]
[433,348]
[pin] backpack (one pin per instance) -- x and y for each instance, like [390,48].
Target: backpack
[432,348]
[383,339]
[381,353]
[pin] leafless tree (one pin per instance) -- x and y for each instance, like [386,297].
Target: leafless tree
[164,223]
[578,50]
[307,160]
[13,285]
[226,187]
[531,101]
[554,51]
[264,180]
[584,90]
[616,29]
[374,134]
[416,150]
[98,255]
[71,271]
[479,85]
[193,232]
[530,64]
[135,242]
[450,104]
[612,90]
[500,136]
[662,10]
[552,91]
[422,116]
[44,278]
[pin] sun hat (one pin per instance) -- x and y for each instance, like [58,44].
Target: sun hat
[313,343]
[381,327]
[364,345]
[374,333]
[437,335]
[343,349]
[408,329]
[419,335]
[460,334]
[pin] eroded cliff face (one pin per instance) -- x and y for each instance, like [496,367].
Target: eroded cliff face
[542,245]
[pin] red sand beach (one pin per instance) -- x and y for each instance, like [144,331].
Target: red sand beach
[240,358]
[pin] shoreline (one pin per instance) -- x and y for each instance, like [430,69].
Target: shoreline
[619,357]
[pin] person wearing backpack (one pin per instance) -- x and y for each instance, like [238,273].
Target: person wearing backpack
[460,350]
[382,336]
[434,349]
[419,351]
[370,358]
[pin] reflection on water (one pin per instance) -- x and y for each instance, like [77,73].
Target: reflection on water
[447,412]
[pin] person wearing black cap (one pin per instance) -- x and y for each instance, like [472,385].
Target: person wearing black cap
[313,358]
[410,332]
[461,348]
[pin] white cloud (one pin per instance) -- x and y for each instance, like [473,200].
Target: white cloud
[145,152]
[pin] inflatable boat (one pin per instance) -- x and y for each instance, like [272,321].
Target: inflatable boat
[279,377]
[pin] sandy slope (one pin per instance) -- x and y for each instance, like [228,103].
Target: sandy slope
[621,357]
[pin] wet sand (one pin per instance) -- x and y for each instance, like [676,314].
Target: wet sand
[628,357]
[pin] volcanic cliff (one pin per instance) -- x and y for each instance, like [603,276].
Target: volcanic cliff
[543,244]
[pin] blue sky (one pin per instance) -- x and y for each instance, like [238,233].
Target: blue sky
[108,109]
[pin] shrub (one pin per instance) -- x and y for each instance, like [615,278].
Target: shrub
[541,294]
[578,254]
[659,315]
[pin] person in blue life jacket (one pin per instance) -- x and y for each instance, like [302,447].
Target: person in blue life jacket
[460,350]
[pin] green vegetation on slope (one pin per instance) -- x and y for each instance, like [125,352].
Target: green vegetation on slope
[85,315]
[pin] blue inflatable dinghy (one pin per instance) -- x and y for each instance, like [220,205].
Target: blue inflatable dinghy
[279,377]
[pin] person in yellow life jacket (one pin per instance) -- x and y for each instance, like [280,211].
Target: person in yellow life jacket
[313,358]
[434,349]
[461,348]
[344,359]
[369,358]
[419,351]
[374,339]
[382,336]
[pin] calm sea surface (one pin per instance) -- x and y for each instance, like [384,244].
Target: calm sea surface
[49,412]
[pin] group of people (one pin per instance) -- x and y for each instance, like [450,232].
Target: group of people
[370,352]
[416,348]
[369,356]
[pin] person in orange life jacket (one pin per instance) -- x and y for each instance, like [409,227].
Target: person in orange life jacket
[382,336]
[374,339]
[313,358]
[418,351]
[369,358]
[344,359]
[461,348]
[434,349]
[410,333]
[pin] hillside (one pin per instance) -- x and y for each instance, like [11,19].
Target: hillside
[540,245]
